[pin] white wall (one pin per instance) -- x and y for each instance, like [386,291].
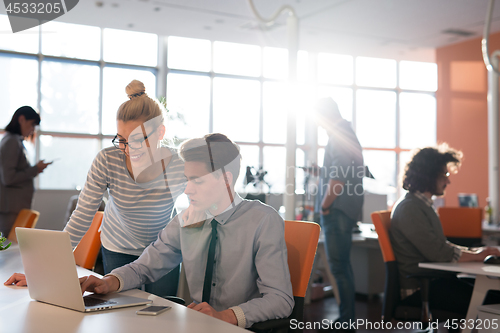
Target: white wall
[52,205]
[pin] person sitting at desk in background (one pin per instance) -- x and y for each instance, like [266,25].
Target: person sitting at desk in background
[417,236]
[143,178]
[247,280]
[16,173]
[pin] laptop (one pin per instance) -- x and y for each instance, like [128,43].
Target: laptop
[52,277]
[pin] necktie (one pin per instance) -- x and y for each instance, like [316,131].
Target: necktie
[210,264]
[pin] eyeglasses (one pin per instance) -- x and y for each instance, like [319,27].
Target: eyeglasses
[136,144]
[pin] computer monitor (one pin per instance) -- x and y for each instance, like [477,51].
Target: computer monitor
[467,200]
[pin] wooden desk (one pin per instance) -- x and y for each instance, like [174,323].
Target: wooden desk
[486,279]
[19,313]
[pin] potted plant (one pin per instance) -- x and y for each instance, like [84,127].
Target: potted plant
[2,241]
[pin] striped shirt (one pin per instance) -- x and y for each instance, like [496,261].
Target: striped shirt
[135,212]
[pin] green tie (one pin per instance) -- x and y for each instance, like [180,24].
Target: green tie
[210,264]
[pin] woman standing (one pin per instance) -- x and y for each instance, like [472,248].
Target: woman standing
[16,174]
[143,178]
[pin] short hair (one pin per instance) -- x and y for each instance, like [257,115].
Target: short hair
[427,164]
[140,106]
[28,112]
[216,151]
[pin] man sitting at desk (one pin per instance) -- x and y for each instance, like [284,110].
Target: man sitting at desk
[416,233]
[247,280]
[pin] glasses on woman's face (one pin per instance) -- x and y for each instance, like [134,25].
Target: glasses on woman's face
[135,144]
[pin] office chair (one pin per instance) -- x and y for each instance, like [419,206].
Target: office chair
[462,225]
[301,241]
[27,218]
[393,307]
[87,250]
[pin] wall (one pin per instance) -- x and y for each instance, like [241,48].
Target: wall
[462,114]
[52,205]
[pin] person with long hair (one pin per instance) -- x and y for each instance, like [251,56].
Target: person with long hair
[16,173]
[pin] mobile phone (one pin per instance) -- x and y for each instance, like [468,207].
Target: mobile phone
[153,310]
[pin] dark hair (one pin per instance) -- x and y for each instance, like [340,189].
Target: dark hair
[427,164]
[216,150]
[28,113]
[327,109]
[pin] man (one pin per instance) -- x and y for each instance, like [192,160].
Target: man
[417,236]
[340,199]
[250,281]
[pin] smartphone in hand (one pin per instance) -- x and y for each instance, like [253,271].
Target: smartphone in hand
[153,310]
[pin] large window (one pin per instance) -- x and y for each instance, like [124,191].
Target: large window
[76,76]
[58,69]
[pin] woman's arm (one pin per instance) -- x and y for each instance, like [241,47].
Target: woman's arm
[89,200]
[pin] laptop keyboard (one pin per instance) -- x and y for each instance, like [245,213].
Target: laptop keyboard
[92,301]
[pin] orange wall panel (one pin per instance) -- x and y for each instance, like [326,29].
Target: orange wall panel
[462,113]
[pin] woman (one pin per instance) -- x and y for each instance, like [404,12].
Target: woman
[143,179]
[16,173]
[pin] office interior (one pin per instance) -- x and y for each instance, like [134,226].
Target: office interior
[406,74]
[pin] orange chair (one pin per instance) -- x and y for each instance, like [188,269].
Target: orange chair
[462,225]
[393,306]
[301,242]
[87,250]
[27,218]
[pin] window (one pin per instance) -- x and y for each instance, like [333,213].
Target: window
[418,75]
[72,159]
[275,63]
[71,40]
[236,108]
[189,54]
[238,59]
[181,100]
[275,112]
[418,120]
[236,89]
[335,68]
[128,47]
[374,72]
[376,118]
[64,83]
[23,41]
[70,97]
[18,85]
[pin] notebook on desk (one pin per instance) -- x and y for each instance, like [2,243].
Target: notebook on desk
[51,274]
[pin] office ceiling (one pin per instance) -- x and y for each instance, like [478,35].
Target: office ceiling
[396,28]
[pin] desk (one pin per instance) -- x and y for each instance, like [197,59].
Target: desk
[19,313]
[484,281]
[366,260]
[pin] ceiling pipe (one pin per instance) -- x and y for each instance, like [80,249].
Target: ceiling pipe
[493,160]
[291,145]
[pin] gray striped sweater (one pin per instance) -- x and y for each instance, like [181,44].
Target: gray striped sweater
[135,212]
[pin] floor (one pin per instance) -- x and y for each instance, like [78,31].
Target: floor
[321,312]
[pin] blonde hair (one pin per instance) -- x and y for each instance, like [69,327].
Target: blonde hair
[140,106]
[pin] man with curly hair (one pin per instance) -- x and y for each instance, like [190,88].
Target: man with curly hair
[417,235]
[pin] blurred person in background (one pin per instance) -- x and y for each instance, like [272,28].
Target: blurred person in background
[16,173]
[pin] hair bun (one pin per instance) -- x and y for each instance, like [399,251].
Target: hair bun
[135,89]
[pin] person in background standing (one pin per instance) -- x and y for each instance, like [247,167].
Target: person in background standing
[16,173]
[340,199]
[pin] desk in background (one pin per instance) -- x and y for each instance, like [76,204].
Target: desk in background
[366,260]
[483,282]
[19,313]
